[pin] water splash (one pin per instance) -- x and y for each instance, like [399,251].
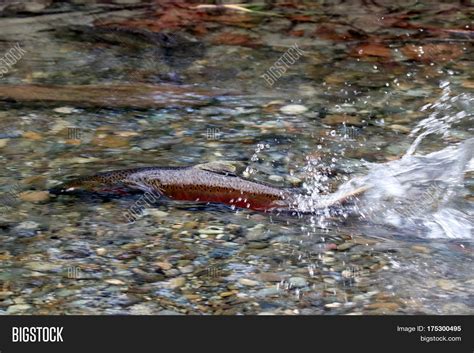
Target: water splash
[256,156]
[440,120]
[421,195]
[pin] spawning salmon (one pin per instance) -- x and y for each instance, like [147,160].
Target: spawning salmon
[209,183]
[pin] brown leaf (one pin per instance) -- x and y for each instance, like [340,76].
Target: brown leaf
[301,18]
[297,33]
[338,119]
[372,49]
[333,33]
[229,38]
[432,52]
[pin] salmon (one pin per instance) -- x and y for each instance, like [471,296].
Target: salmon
[212,182]
[208,183]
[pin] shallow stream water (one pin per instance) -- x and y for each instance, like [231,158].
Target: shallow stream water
[369,104]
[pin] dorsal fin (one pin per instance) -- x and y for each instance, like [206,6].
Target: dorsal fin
[227,168]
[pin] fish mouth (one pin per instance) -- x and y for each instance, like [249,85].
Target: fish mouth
[63,190]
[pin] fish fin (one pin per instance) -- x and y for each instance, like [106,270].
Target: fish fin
[227,168]
[353,193]
[345,198]
[143,187]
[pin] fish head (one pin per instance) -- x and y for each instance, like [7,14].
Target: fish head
[77,186]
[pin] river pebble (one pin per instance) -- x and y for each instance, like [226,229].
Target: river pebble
[298,282]
[18,309]
[257,233]
[34,196]
[64,110]
[293,109]
[248,282]
[175,283]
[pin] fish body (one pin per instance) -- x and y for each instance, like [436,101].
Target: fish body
[208,183]
[214,183]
